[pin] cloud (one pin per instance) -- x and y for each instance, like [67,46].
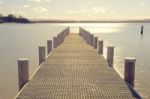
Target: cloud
[18,13]
[92,11]
[88,13]
[88,1]
[142,4]
[25,6]
[39,1]
[99,10]
[44,16]
[1,2]
[39,10]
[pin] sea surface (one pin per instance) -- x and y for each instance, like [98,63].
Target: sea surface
[22,41]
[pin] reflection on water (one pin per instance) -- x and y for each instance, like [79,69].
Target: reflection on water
[23,40]
[129,42]
[99,25]
[96,27]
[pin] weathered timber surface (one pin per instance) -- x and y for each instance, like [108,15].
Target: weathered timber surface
[75,70]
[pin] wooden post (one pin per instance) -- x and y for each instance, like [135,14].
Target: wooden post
[86,37]
[49,46]
[23,72]
[110,55]
[100,47]
[61,39]
[129,72]
[91,39]
[58,40]
[42,54]
[54,42]
[142,27]
[95,40]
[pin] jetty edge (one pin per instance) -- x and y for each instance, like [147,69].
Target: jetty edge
[76,69]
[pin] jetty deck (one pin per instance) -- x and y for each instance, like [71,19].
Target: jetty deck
[74,70]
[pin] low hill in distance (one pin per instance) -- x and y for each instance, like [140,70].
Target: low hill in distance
[13,19]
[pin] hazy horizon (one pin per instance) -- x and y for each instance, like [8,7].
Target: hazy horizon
[77,9]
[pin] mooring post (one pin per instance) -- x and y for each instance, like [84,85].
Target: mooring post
[100,47]
[61,38]
[58,39]
[129,72]
[57,43]
[68,30]
[83,35]
[110,55]
[86,37]
[95,40]
[42,54]
[91,39]
[54,42]
[23,72]
[142,27]
[49,46]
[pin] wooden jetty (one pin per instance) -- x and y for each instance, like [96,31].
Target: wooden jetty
[75,70]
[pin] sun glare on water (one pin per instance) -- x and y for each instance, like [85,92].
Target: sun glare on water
[96,27]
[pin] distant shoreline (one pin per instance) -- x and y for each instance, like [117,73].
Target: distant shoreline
[68,21]
[10,18]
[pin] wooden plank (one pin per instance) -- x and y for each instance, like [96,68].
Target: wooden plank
[75,70]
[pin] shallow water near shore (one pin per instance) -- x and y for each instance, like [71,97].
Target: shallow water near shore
[22,40]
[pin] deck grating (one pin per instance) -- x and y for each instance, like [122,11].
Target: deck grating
[74,70]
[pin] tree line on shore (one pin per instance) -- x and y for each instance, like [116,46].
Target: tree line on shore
[11,18]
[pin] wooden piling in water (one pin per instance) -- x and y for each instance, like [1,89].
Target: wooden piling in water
[23,72]
[110,55]
[95,40]
[54,42]
[58,39]
[42,54]
[49,46]
[61,38]
[91,40]
[129,71]
[100,47]
[142,27]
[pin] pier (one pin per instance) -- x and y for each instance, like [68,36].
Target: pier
[75,68]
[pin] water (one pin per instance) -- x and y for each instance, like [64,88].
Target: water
[19,41]
[128,42]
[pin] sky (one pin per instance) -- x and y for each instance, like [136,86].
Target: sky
[77,9]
